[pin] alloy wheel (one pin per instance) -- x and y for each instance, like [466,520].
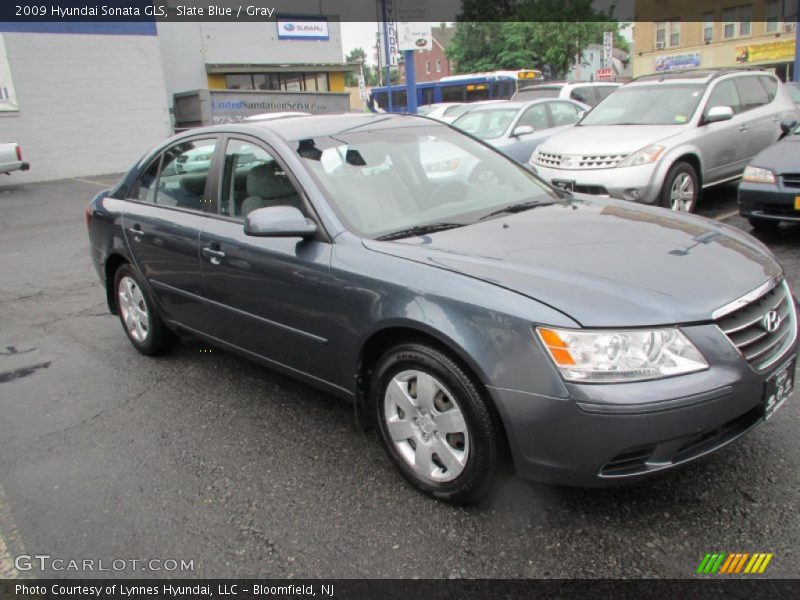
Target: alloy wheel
[134,309]
[682,194]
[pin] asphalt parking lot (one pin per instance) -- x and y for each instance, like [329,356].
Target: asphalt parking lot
[202,456]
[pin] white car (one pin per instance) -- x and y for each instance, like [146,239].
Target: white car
[443,111]
[271,116]
[585,92]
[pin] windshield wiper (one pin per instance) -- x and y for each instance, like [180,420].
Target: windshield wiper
[514,208]
[418,230]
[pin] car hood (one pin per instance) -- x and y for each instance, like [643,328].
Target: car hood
[783,157]
[608,139]
[604,263]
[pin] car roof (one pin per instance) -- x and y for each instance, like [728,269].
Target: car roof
[275,115]
[694,75]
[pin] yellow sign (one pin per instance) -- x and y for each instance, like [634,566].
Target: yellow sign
[783,50]
[797,202]
[527,75]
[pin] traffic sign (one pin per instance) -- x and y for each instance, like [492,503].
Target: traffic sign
[605,74]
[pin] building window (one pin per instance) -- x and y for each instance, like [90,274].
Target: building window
[239,82]
[708,27]
[668,33]
[438,65]
[428,67]
[279,82]
[737,21]
[773,10]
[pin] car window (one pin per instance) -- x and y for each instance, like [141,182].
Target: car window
[535,93]
[751,93]
[452,111]
[388,179]
[486,124]
[535,116]
[584,94]
[251,179]
[184,173]
[724,94]
[657,104]
[604,90]
[563,113]
[771,85]
[147,182]
[794,92]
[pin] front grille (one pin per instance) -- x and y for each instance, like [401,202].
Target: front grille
[710,440]
[577,161]
[791,180]
[595,190]
[748,327]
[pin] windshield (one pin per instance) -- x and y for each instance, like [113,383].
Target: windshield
[661,104]
[486,124]
[425,110]
[794,92]
[395,177]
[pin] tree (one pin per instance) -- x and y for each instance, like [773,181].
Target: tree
[356,55]
[537,33]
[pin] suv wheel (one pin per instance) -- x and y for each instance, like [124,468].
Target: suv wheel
[138,314]
[681,188]
[435,424]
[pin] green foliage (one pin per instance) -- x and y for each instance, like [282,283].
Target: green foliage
[528,34]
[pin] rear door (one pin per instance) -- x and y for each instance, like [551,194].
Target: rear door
[762,116]
[162,221]
[267,296]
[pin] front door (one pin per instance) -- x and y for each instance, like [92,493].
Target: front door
[162,224]
[268,296]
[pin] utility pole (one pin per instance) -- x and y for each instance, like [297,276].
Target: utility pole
[796,70]
[387,56]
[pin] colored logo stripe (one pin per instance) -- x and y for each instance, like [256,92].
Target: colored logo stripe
[736,562]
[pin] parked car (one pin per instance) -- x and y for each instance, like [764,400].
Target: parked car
[270,116]
[11,158]
[462,318]
[662,138]
[793,89]
[442,111]
[517,128]
[585,92]
[770,188]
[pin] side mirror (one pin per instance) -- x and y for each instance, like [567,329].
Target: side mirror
[788,125]
[278,221]
[719,113]
[522,130]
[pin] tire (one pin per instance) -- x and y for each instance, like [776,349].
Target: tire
[763,224]
[680,180]
[138,314]
[417,390]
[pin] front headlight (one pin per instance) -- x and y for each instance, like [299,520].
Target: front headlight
[758,175]
[645,156]
[603,356]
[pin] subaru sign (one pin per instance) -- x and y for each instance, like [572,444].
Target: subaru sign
[302,30]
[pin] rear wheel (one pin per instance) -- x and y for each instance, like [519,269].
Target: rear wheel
[681,188]
[139,315]
[435,424]
[763,224]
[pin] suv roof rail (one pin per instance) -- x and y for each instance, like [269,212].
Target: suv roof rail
[711,74]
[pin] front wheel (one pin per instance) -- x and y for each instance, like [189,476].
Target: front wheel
[435,423]
[139,315]
[681,188]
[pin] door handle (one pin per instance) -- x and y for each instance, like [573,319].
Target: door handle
[743,128]
[136,232]
[215,256]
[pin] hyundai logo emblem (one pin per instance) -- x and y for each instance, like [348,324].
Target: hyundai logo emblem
[771,321]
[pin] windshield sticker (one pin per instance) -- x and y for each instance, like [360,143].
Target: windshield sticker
[681,118]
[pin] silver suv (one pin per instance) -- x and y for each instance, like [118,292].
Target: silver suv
[661,139]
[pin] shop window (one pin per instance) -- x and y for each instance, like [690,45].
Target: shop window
[239,82]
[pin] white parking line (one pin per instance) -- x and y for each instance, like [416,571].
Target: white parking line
[727,215]
[7,569]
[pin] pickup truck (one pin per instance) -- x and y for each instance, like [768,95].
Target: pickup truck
[11,158]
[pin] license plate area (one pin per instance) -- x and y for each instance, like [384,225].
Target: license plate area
[565,184]
[778,388]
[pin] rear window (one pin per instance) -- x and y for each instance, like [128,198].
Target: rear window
[770,84]
[751,93]
[537,92]
[584,94]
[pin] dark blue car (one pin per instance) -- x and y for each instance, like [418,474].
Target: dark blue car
[463,305]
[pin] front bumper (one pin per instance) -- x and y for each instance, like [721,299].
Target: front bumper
[616,182]
[603,435]
[774,201]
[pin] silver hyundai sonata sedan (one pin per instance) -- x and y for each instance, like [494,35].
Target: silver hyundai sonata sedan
[463,305]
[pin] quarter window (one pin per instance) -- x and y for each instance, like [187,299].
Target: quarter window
[147,183]
[252,179]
